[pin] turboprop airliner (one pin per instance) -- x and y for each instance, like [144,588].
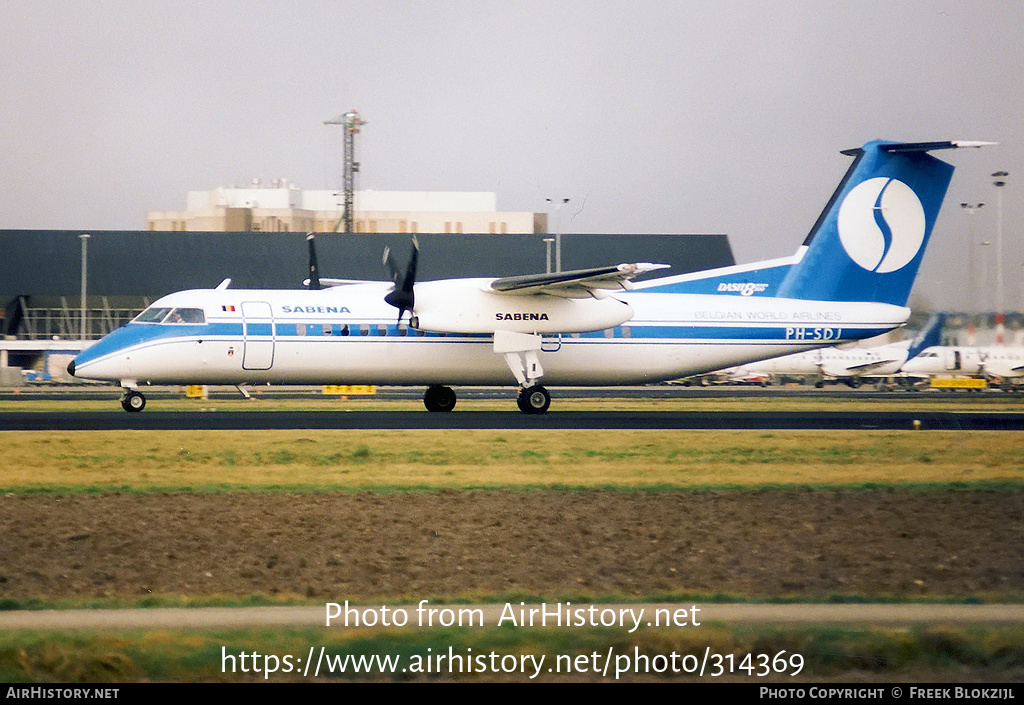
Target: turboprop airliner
[849,281]
[1005,363]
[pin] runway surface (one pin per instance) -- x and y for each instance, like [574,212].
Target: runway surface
[888,615]
[512,419]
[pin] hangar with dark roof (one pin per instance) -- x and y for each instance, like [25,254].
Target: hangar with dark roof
[41,270]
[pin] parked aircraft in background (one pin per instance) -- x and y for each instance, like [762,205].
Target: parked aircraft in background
[849,281]
[1002,363]
[849,365]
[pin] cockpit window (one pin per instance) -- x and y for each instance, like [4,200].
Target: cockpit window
[167,315]
[152,315]
[186,315]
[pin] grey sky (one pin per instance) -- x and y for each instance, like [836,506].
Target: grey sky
[651,116]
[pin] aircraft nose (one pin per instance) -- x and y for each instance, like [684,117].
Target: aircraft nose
[71,368]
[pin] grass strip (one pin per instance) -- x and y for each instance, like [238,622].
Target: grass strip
[382,460]
[932,653]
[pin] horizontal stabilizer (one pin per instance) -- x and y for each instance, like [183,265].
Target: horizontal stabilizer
[905,147]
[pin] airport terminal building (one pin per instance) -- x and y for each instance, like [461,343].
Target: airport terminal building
[280,207]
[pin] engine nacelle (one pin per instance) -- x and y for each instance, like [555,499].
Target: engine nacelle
[464,306]
[1004,369]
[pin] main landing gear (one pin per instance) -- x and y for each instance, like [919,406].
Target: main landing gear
[439,398]
[133,401]
[534,400]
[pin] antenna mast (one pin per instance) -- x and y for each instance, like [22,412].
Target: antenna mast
[352,122]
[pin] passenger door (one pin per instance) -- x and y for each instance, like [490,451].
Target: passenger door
[258,333]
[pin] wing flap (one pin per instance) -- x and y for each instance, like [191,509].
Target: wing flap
[327,283]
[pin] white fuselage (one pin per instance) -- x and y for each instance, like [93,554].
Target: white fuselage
[998,361]
[349,335]
[833,362]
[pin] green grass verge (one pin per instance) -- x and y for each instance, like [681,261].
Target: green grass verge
[64,462]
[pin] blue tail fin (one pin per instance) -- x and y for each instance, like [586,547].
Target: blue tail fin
[869,241]
[927,337]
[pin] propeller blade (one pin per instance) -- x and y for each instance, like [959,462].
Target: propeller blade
[402,296]
[389,262]
[314,269]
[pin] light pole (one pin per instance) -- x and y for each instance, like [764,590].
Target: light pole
[970,209]
[999,180]
[84,237]
[547,248]
[558,232]
[985,246]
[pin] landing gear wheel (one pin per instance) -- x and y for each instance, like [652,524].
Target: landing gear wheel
[534,400]
[439,398]
[133,401]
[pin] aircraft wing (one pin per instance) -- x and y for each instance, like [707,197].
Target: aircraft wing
[576,284]
[871,365]
[328,283]
[833,369]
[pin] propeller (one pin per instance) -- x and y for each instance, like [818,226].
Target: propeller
[314,270]
[402,296]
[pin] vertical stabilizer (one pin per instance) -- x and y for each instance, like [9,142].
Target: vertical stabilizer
[870,239]
[927,337]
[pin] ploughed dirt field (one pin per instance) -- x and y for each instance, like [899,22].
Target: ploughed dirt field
[547,543]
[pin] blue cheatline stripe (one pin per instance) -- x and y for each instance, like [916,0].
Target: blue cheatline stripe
[133,334]
[140,334]
[260,329]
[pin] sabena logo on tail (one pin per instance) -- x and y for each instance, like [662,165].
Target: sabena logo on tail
[881,224]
